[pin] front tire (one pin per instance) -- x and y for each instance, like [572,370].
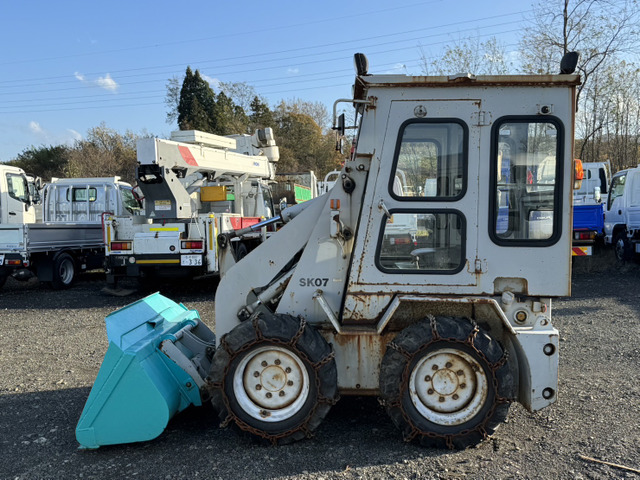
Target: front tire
[275,377]
[622,247]
[446,382]
[64,272]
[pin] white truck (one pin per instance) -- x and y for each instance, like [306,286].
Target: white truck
[622,214]
[195,186]
[69,236]
[447,340]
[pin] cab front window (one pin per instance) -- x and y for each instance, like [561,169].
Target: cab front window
[430,161]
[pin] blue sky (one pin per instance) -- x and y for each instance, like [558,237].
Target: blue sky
[68,66]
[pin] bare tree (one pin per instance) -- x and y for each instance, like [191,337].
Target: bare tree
[604,32]
[172,98]
[103,153]
[599,30]
[468,55]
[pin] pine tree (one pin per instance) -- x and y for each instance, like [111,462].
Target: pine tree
[197,103]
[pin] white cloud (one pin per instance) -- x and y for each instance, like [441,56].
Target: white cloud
[398,69]
[213,82]
[105,82]
[35,127]
[74,135]
[293,71]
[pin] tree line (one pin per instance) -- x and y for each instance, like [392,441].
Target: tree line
[236,109]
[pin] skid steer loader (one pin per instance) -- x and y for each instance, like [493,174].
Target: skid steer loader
[424,277]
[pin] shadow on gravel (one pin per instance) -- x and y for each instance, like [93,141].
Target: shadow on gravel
[37,435]
[89,291]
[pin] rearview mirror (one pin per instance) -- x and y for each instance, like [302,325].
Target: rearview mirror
[341,125]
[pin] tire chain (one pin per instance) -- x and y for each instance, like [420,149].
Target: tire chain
[320,399]
[469,341]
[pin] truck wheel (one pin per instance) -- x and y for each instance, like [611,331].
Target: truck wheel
[446,382]
[3,277]
[241,251]
[64,272]
[622,247]
[275,377]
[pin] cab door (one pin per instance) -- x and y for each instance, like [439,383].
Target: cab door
[18,208]
[421,233]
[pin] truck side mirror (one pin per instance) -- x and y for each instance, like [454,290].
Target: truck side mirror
[341,125]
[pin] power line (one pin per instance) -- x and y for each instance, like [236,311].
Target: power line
[271,66]
[305,49]
[216,37]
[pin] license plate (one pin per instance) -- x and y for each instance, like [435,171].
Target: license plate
[2,259]
[191,260]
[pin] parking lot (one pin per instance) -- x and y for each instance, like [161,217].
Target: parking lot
[52,344]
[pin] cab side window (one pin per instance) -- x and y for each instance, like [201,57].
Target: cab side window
[17,186]
[526,174]
[617,188]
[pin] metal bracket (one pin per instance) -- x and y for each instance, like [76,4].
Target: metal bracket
[327,310]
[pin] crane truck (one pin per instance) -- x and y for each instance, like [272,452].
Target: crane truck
[194,186]
[447,335]
[68,236]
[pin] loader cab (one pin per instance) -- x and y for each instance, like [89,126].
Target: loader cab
[468,195]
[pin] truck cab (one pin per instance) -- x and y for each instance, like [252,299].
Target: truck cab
[622,214]
[17,200]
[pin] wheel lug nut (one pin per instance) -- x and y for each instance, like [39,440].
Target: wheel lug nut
[281,393]
[264,364]
[427,378]
[277,361]
[288,369]
[268,395]
[449,365]
[258,387]
[441,399]
[290,382]
[455,396]
[460,372]
[463,385]
[434,368]
[256,374]
[430,391]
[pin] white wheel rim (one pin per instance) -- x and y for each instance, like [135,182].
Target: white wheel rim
[448,387]
[271,384]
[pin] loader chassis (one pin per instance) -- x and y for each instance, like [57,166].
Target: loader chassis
[477,180]
[425,276]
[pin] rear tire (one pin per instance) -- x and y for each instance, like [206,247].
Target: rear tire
[64,272]
[3,277]
[275,377]
[446,383]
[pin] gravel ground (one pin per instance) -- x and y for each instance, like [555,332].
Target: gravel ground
[52,344]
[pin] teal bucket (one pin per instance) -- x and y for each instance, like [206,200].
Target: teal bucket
[138,387]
